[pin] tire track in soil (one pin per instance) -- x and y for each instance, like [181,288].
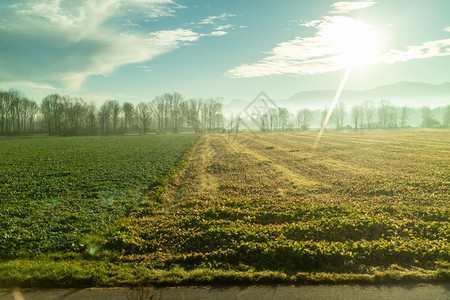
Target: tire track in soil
[290,181]
[205,158]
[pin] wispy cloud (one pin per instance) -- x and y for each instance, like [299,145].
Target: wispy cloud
[144,68]
[326,50]
[213,19]
[447,29]
[27,84]
[223,27]
[131,24]
[216,33]
[343,7]
[313,23]
[219,24]
[426,50]
[62,42]
[162,9]
[219,29]
[173,38]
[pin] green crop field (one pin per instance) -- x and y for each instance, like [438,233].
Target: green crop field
[363,207]
[63,194]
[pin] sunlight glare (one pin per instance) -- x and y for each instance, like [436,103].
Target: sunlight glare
[354,42]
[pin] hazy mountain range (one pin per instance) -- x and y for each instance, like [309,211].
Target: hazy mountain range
[412,94]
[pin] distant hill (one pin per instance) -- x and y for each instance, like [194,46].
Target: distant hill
[235,106]
[413,94]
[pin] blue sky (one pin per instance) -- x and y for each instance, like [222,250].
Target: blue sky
[134,50]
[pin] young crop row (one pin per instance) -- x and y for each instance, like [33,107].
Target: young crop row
[317,239]
[62,194]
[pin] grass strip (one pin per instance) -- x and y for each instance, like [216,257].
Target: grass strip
[86,273]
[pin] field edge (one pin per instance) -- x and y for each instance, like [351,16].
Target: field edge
[84,274]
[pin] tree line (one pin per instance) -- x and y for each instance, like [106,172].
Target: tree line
[17,113]
[170,112]
[65,115]
[368,115]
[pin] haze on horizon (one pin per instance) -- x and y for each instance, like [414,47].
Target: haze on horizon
[134,50]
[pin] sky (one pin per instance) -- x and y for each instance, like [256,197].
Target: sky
[135,50]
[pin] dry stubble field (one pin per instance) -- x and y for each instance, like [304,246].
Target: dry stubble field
[364,202]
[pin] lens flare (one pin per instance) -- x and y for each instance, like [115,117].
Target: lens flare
[333,105]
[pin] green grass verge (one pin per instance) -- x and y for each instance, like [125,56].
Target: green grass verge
[85,273]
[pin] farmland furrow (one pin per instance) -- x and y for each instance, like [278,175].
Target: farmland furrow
[264,204]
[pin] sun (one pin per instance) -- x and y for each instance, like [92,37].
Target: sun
[353,42]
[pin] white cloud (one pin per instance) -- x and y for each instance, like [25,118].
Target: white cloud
[217,33]
[223,27]
[447,29]
[426,50]
[60,43]
[339,42]
[343,7]
[86,16]
[313,23]
[213,19]
[163,9]
[219,30]
[173,38]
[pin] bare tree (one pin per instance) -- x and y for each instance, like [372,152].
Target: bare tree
[273,118]
[404,116]
[159,107]
[91,120]
[193,108]
[80,111]
[14,100]
[4,111]
[52,111]
[357,115]
[291,122]
[428,119]
[33,109]
[176,116]
[168,107]
[383,113]
[304,118]
[115,110]
[393,117]
[339,115]
[128,115]
[264,121]
[446,120]
[218,116]
[144,113]
[104,117]
[283,116]
[73,115]
[16,111]
[238,121]
[369,113]
[211,114]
